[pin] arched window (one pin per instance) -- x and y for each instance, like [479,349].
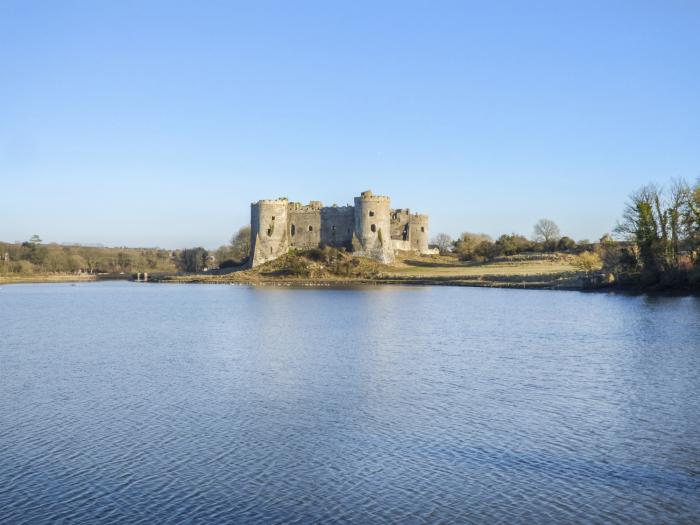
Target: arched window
[373,227]
[311,228]
[422,228]
[294,230]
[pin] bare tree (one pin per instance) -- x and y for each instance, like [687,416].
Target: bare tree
[546,231]
[240,244]
[443,242]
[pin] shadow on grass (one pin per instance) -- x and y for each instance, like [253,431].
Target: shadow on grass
[431,264]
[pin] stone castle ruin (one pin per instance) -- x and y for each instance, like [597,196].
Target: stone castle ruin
[369,228]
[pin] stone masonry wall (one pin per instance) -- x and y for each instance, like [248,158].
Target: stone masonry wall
[370,228]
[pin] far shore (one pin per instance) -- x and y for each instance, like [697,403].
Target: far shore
[548,273]
[536,272]
[9,278]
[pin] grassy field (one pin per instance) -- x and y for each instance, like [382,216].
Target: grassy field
[536,271]
[331,267]
[441,266]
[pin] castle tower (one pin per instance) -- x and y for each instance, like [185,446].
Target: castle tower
[269,237]
[372,236]
[418,232]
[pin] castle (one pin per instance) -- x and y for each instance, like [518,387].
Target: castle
[369,228]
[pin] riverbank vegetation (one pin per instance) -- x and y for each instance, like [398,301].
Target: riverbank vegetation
[34,261]
[655,246]
[330,266]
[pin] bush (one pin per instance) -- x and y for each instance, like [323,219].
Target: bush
[22,267]
[566,244]
[588,262]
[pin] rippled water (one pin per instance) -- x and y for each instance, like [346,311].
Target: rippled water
[136,403]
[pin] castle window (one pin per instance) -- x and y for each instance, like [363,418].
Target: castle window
[373,227]
[311,228]
[333,229]
[269,231]
[371,214]
[422,228]
[273,217]
[294,230]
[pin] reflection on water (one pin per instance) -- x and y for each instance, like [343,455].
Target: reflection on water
[216,404]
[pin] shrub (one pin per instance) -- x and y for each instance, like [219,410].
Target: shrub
[588,262]
[566,243]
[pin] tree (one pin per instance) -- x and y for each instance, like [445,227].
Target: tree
[240,244]
[467,243]
[512,244]
[192,260]
[34,252]
[644,223]
[547,232]
[443,242]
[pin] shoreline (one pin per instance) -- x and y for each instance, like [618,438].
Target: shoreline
[349,283]
[48,279]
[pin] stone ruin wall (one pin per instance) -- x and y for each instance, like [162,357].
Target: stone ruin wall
[268,230]
[370,228]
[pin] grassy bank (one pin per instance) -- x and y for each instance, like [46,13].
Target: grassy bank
[334,268]
[45,278]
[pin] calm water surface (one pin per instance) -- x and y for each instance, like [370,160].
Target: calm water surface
[127,403]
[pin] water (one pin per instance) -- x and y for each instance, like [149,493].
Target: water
[126,403]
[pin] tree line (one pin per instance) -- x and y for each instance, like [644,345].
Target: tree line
[656,244]
[33,257]
[232,255]
[480,247]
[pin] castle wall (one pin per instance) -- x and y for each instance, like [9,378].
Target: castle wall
[373,227]
[268,230]
[370,228]
[337,226]
[418,232]
[399,223]
[305,227]
[401,246]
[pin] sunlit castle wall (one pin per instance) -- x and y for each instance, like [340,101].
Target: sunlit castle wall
[373,227]
[304,225]
[269,234]
[418,232]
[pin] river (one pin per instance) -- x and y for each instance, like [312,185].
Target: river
[145,403]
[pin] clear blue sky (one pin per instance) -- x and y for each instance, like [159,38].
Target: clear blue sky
[157,123]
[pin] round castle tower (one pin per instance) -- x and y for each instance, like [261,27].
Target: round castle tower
[268,230]
[373,227]
[418,232]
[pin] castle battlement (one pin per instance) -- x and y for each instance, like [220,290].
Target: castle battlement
[369,228]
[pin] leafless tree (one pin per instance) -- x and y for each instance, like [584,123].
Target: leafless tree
[240,244]
[546,231]
[443,242]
